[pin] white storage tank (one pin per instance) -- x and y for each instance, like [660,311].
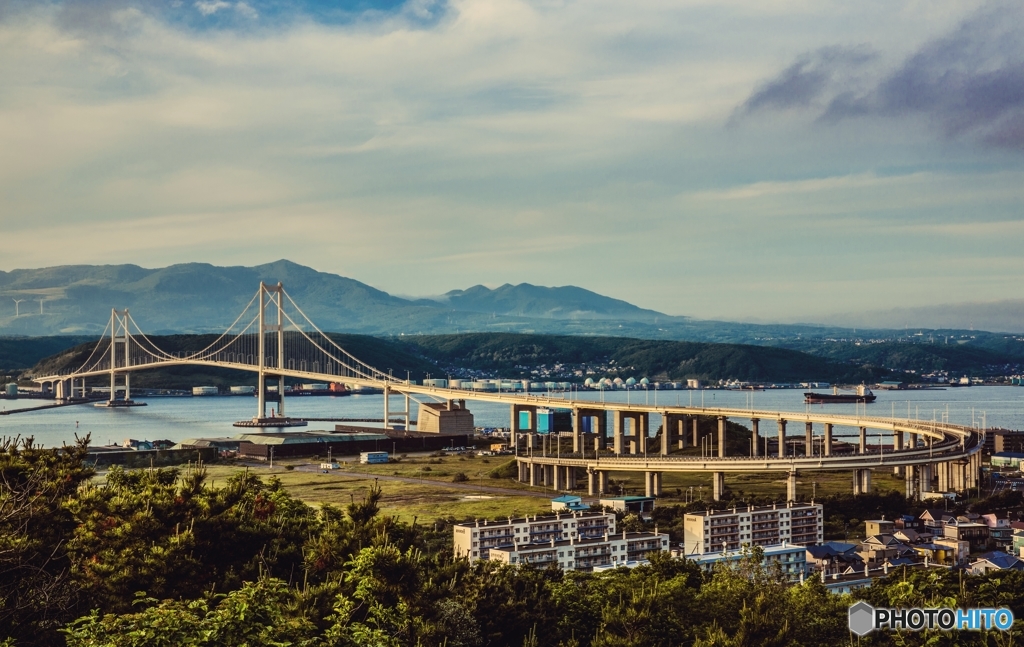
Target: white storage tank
[243,390]
[205,390]
[436,383]
[12,389]
[485,385]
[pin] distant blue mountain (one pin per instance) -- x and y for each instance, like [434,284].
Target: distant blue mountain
[568,302]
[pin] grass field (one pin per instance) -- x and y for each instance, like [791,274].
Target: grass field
[433,495]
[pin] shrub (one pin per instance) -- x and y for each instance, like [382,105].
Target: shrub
[460,478]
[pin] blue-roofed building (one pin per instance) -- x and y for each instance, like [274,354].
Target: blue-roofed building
[833,557]
[568,502]
[996,561]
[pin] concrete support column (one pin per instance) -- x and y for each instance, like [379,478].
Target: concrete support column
[534,476]
[721,436]
[557,482]
[577,431]
[648,483]
[943,477]
[591,483]
[924,479]
[618,429]
[602,482]
[570,478]
[909,475]
[755,437]
[696,431]
[808,439]
[913,441]
[828,439]
[602,430]
[897,441]
[657,483]
[782,438]
[683,431]
[642,429]
[863,448]
[667,431]
[717,485]
[791,487]
[862,481]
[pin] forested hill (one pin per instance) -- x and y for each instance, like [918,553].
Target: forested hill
[984,356]
[518,355]
[515,354]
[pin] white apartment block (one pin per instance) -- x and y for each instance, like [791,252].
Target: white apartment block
[716,531]
[475,540]
[584,554]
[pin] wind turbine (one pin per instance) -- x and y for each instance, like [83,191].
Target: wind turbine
[41,305]
[17,306]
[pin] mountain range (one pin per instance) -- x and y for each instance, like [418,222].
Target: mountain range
[201,298]
[204,298]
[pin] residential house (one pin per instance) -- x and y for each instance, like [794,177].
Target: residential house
[881,548]
[999,530]
[833,557]
[962,529]
[996,561]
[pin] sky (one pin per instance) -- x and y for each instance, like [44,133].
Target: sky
[779,160]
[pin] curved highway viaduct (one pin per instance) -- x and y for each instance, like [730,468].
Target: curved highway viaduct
[931,456]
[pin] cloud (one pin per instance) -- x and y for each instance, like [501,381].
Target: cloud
[803,83]
[966,83]
[969,82]
[210,7]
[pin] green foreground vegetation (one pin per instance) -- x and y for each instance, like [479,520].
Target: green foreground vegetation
[203,556]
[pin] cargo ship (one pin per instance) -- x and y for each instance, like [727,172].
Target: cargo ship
[863,394]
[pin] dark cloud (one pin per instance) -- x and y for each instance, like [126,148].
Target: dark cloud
[968,83]
[805,82]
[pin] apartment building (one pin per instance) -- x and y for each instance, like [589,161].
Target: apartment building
[584,554]
[714,531]
[475,540]
[791,560]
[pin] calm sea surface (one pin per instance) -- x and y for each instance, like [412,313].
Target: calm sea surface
[191,417]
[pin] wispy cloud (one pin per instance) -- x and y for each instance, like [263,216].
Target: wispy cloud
[968,82]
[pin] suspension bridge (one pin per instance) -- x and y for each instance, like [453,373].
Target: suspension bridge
[274,338]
